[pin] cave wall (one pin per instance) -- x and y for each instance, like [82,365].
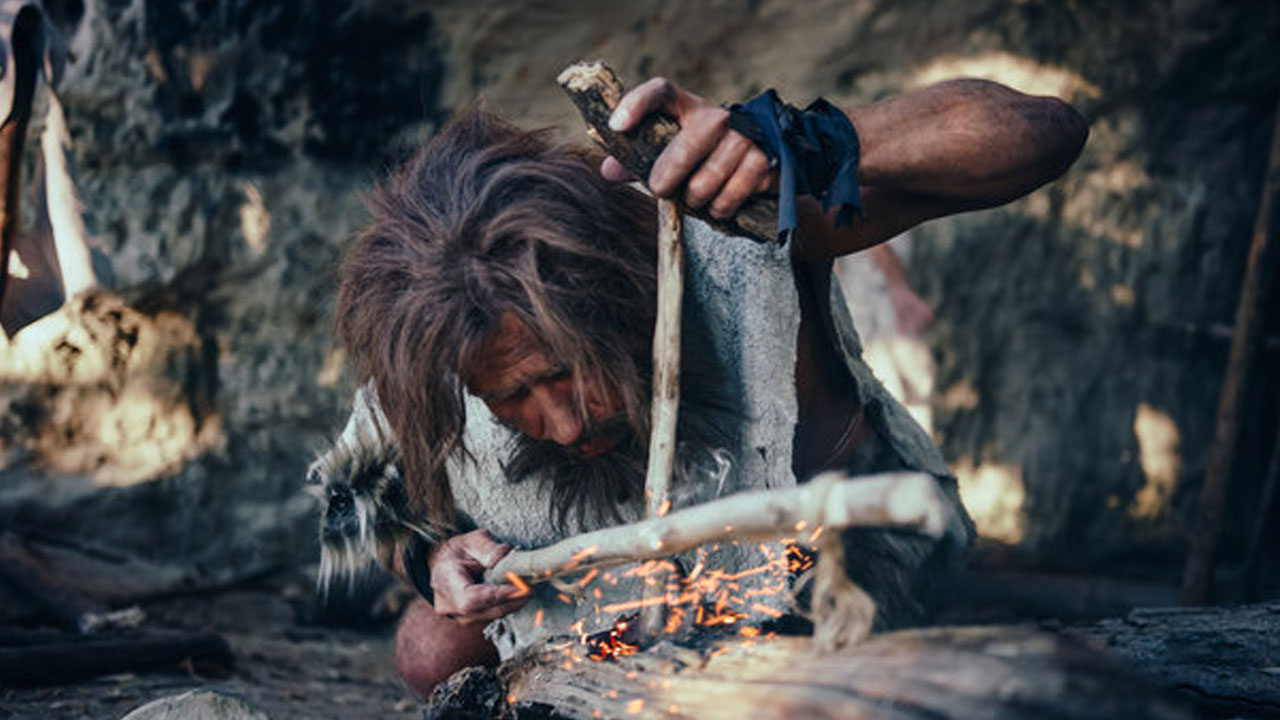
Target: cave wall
[222,146]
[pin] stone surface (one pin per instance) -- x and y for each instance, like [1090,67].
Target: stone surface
[197,705]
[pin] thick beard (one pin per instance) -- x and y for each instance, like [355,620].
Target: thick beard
[596,487]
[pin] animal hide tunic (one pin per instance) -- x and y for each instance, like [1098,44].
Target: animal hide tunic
[741,312]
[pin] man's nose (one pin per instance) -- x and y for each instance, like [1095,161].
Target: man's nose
[557,420]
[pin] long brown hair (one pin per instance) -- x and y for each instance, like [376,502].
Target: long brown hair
[488,219]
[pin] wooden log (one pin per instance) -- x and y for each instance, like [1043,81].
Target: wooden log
[827,503]
[76,658]
[1227,658]
[1250,320]
[997,672]
[596,90]
[105,576]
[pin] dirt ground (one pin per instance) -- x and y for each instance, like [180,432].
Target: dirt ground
[286,664]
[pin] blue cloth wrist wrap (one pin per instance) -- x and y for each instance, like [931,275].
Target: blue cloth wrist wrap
[816,151]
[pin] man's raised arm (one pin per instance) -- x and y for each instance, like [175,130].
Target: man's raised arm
[947,148]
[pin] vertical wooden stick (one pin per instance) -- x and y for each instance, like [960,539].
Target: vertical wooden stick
[1197,578]
[666,389]
[666,359]
[596,90]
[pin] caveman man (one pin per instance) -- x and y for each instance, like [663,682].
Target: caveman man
[500,309]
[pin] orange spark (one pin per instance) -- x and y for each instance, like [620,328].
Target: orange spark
[771,612]
[520,584]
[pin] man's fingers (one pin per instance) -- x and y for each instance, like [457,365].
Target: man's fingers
[742,185]
[613,170]
[699,135]
[483,548]
[718,168]
[479,598]
[650,95]
[494,612]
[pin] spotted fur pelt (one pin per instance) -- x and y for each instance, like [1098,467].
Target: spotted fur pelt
[360,485]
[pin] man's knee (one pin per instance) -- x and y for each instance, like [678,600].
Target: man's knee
[430,648]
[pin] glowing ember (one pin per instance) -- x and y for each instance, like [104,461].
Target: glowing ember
[618,641]
[800,558]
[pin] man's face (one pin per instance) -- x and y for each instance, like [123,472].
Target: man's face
[531,392]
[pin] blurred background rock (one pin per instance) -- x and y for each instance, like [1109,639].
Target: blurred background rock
[221,148]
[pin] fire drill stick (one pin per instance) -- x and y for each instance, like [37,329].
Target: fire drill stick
[597,91]
[665,406]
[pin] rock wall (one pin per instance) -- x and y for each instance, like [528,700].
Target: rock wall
[222,148]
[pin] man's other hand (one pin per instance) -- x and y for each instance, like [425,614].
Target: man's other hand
[715,165]
[457,571]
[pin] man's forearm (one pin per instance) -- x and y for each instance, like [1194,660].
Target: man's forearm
[952,147]
[967,139]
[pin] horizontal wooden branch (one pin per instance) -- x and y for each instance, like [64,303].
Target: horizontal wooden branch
[827,503]
[75,657]
[596,90]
